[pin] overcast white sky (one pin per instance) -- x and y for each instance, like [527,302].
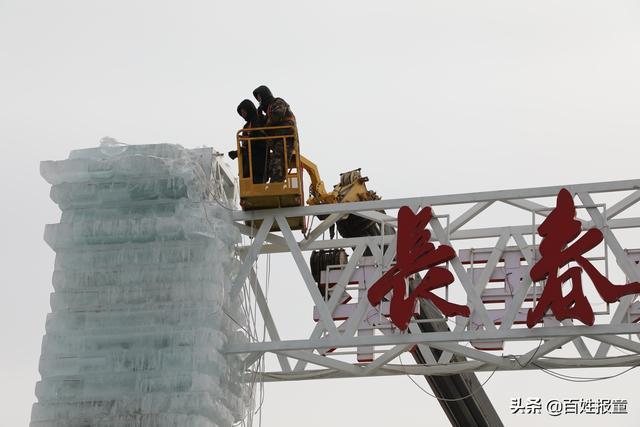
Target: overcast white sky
[427,97]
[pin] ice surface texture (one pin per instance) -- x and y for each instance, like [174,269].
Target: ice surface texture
[141,304]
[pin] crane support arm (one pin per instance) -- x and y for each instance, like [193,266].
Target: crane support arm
[317,192]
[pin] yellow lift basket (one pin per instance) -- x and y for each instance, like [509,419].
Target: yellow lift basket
[270,195]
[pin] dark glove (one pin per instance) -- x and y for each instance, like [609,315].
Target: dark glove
[233,154]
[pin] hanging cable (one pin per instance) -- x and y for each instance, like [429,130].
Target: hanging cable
[445,399]
[575,379]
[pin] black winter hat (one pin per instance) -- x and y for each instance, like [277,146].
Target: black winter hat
[248,106]
[265,96]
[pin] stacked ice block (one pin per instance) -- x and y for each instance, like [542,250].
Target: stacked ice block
[141,305]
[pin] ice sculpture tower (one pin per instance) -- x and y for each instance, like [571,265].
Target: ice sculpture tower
[141,303]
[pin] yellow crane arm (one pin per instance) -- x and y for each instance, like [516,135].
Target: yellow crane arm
[352,187]
[317,192]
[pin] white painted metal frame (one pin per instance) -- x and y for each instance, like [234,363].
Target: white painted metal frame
[540,347]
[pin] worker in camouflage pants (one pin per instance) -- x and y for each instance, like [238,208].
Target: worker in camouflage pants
[276,112]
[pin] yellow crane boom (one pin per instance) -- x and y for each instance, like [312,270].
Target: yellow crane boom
[352,187]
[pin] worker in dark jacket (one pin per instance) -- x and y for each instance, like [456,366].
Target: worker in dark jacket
[276,112]
[249,113]
[264,97]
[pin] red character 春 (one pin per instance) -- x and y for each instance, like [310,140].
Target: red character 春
[558,230]
[415,253]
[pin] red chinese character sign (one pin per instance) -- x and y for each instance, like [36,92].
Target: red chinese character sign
[558,230]
[558,248]
[414,254]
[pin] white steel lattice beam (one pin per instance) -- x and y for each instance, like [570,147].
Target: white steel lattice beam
[492,262]
[385,358]
[517,334]
[578,342]
[325,316]
[469,234]
[379,217]
[270,237]
[619,342]
[446,356]
[522,290]
[325,361]
[472,353]
[623,262]
[473,296]
[529,206]
[336,295]
[384,343]
[468,215]
[266,316]
[542,349]
[321,228]
[453,199]
[454,368]
[623,204]
[251,256]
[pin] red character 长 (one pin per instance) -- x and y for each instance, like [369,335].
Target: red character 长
[415,253]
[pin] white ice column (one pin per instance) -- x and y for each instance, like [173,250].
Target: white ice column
[141,304]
